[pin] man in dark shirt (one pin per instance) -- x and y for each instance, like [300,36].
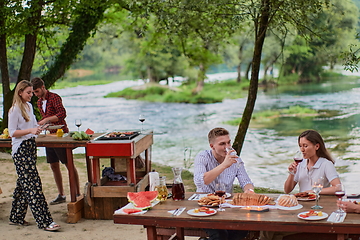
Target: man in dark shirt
[52,111]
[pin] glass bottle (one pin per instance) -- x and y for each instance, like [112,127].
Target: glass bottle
[162,189]
[178,191]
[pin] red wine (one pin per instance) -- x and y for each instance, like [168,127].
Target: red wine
[220,193]
[178,191]
[141,119]
[78,125]
[298,160]
[339,194]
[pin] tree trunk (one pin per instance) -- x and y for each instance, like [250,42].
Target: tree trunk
[151,75]
[87,18]
[241,49]
[29,52]
[248,70]
[260,32]
[200,79]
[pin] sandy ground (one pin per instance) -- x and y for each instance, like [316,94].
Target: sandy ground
[84,229]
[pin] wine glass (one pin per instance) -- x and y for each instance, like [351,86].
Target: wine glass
[228,149]
[339,192]
[78,124]
[220,190]
[317,186]
[142,119]
[298,157]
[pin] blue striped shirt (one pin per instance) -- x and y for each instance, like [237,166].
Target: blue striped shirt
[205,161]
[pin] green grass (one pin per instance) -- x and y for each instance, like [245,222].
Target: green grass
[271,116]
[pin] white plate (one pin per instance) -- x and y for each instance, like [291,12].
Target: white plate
[299,206]
[192,212]
[54,126]
[325,215]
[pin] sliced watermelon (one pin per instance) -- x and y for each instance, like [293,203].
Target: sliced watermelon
[131,210]
[142,200]
[89,132]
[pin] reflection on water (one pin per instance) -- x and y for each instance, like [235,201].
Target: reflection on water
[266,152]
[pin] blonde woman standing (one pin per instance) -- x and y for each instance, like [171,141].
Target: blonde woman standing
[23,129]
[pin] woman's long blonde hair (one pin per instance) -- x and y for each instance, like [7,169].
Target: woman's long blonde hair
[18,101]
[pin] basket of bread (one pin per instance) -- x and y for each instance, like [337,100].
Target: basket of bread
[250,199]
[210,200]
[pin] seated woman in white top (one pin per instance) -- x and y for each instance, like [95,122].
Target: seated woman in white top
[317,163]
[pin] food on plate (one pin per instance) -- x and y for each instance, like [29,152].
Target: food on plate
[142,200]
[203,209]
[305,195]
[311,213]
[250,199]
[80,136]
[211,200]
[131,210]
[287,201]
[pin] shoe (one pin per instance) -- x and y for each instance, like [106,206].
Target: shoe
[52,227]
[59,199]
[19,224]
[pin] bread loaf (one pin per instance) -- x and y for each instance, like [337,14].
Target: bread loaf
[287,201]
[250,199]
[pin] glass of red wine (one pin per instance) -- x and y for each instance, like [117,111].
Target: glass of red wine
[298,157]
[78,124]
[220,191]
[142,119]
[340,193]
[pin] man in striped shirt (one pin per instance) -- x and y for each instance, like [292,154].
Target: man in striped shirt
[219,166]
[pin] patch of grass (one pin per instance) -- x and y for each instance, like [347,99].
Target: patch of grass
[211,93]
[271,117]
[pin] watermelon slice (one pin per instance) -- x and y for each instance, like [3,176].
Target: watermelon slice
[142,200]
[131,210]
[89,132]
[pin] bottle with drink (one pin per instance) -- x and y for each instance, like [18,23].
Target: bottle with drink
[178,190]
[161,189]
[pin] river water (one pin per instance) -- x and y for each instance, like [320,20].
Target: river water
[181,129]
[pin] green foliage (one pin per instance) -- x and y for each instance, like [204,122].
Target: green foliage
[212,92]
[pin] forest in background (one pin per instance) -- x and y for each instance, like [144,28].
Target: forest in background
[128,47]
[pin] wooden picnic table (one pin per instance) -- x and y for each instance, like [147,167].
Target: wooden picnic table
[241,219]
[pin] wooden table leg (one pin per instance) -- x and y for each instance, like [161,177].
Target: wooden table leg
[148,160]
[180,233]
[72,180]
[95,171]
[131,173]
[88,168]
[151,233]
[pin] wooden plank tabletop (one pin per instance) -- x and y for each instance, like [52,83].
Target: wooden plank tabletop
[240,219]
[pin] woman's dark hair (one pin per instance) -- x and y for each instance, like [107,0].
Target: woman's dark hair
[315,138]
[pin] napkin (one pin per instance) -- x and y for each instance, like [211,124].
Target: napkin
[179,211]
[334,217]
